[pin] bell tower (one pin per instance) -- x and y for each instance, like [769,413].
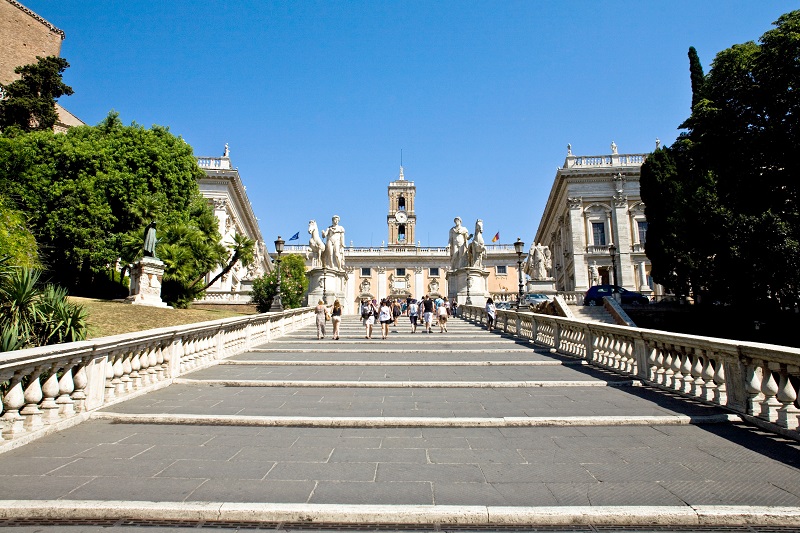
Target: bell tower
[401,219]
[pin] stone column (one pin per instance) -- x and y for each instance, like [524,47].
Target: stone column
[623,242]
[579,239]
[419,289]
[381,292]
[644,288]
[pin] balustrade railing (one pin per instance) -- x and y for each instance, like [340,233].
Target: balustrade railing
[55,386]
[760,382]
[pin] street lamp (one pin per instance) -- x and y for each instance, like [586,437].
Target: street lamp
[612,249]
[518,247]
[277,304]
[324,285]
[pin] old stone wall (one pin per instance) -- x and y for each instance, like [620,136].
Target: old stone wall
[23,36]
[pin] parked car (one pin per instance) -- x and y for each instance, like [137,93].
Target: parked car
[595,295]
[502,305]
[534,299]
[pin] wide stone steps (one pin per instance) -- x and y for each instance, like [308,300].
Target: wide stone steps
[467,428]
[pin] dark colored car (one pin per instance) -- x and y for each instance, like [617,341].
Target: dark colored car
[595,295]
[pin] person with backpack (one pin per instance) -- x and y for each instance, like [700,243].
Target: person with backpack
[427,308]
[368,314]
[413,314]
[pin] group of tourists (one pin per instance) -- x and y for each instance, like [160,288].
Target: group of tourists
[429,311]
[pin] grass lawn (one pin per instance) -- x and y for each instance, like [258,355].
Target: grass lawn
[112,318]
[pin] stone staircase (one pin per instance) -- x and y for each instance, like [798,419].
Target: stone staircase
[592,313]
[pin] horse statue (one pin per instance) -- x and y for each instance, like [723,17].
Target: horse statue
[316,244]
[477,249]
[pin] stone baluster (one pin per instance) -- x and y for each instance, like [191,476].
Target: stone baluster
[80,380]
[697,374]
[651,372]
[135,365]
[721,393]
[33,395]
[675,376]
[769,388]
[143,355]
[787,396]
[119,372]
[708,390]
[48,405]
[687,381]
[154,368]
[66,386]
[128,384]
[111,386]
[753,388]
[13,400]
[661,368]
[166,356]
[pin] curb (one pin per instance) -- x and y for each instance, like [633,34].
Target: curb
[404,384]
[362,515]
[398,422]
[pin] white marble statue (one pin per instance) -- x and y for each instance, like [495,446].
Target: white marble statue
[334,245]
[594,273]
[538,262]
[613,148]
[457,245]
[315,243]
[477,249]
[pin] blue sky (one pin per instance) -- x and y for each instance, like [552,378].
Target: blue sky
[317,99]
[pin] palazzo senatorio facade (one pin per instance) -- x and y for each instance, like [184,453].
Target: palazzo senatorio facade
[594,202]
[403,268]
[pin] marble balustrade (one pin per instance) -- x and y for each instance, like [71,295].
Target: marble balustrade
[760,382]
[51,385]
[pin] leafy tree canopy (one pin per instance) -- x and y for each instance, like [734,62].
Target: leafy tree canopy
[722,202]
[17,243]
[90,193]
[30,102]
[294,284]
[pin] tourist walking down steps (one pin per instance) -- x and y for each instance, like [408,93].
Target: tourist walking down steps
[321,313]
[491,313]
[385,318]
[336,318]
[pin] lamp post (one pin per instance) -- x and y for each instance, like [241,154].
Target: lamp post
[325,285]
[612,249]
[518,247]
[277,304]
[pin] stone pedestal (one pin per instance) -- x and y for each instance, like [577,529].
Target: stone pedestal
[541,286]
[468,282]
[145,288]
[331,283]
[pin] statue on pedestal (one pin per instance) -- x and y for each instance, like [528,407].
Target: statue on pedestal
[538,263]
[315,243]
[150,241]
[334,245]
[457,245]
[477,248]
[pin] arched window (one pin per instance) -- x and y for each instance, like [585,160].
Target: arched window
[401,232]
[401,204]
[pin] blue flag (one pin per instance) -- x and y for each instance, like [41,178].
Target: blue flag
[295,237]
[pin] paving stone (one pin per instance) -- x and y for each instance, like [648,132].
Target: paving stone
[409,472]
[190,468]
[323,472]
[252,491]
[136,489]
[536,473]
[375,493]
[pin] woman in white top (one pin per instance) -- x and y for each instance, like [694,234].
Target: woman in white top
[491,313]
[385,318]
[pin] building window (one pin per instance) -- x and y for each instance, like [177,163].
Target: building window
[400,271]
[401,233]
[366,271]
[599,233]
[401,204]
[433,272]
[502,270]
[642,231]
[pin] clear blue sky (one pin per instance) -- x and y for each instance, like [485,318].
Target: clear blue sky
[317,99]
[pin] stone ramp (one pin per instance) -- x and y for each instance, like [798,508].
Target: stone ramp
[467,428]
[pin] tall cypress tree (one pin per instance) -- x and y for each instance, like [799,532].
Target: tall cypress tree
[696,75]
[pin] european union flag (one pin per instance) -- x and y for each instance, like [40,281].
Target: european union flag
[295,237]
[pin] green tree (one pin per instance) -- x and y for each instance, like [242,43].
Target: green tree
[90,193]
[696,75]
[17,243]
[294,284]
[30,102]
[736,166]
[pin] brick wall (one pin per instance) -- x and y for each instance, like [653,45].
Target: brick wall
[23,36]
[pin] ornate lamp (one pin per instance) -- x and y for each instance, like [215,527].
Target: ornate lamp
[612,249]
[277,304]
[518,247]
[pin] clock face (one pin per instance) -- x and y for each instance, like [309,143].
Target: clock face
[400,216]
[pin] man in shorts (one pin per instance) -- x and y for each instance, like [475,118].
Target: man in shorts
[413,314]
[427,307]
